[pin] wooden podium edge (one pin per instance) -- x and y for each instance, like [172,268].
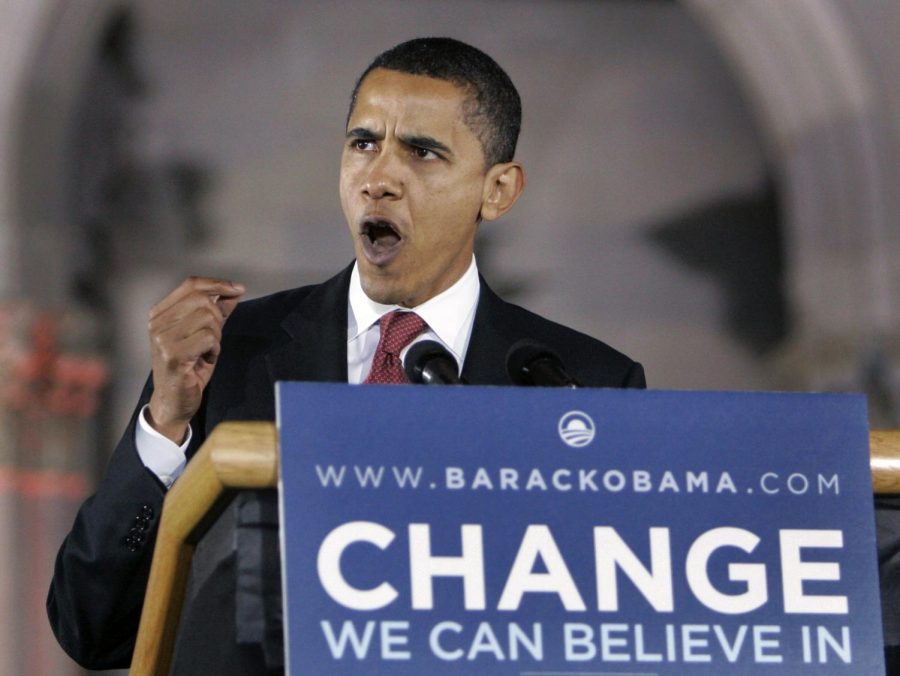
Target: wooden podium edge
[236,455]
[245,455]
[884,457]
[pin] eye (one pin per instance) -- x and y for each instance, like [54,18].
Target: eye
[425,154]
[362,144]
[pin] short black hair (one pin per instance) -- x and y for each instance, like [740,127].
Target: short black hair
[493,110]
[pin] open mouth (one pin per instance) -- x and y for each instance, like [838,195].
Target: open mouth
[381,240]
[381,233]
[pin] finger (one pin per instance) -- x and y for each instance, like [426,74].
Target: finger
[202,346]
[206,357]
[211,356]
[202,286]
[188,305]
[226,305]
[166,339]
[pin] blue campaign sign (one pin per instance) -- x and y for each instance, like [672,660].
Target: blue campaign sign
[529,531]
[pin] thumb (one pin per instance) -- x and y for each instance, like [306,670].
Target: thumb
[227,304]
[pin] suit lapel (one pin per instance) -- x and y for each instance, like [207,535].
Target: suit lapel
[317,330]
[485,362]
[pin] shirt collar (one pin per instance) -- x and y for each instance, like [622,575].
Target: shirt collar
[445,314]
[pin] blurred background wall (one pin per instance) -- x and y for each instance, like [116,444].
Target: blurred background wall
[712,189]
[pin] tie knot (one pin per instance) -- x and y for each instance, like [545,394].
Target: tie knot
[398,329]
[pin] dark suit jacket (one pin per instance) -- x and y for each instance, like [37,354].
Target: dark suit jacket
[101,571]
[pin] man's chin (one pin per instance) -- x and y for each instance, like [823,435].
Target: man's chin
[382,291]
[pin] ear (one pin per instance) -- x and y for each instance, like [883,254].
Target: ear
[503,184]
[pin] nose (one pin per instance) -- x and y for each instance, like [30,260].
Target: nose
[384,179]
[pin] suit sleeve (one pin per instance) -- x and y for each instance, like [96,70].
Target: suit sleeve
[635,378]
[887,519]
[101,571]
[97,591]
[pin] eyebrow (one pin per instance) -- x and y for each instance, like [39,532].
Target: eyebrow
[427,142]
[363,133]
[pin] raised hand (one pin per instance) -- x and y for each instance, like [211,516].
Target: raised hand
[185,340]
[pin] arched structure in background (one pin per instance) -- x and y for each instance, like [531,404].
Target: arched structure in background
[824,106]
[49,47]
[46,48]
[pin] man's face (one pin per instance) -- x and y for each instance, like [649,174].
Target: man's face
[412,185]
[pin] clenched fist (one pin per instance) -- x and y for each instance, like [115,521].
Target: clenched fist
[185,341]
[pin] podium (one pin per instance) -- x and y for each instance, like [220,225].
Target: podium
[244,455]
[237,455]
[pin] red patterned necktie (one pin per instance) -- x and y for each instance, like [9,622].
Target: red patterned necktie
[398,329]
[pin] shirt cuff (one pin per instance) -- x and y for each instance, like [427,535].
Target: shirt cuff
[160,455]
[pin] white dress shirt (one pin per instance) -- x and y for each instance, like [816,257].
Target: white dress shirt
[450,317]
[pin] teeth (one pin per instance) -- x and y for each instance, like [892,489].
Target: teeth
[380,232]
[374,228]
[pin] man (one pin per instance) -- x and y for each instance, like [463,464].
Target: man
[428,156]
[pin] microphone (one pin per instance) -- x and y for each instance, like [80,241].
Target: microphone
[430,363]
[529,362]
